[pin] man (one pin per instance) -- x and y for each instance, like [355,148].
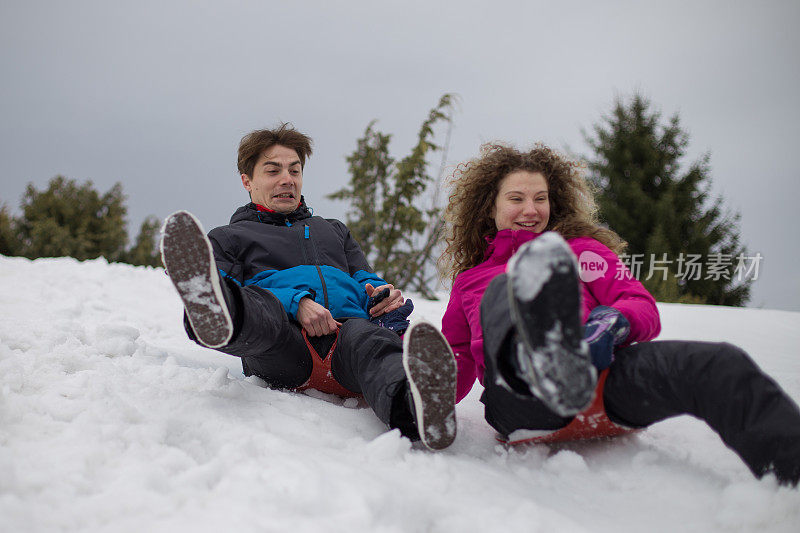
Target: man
[293,296]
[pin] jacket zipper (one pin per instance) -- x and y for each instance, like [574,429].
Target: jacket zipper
[307,236]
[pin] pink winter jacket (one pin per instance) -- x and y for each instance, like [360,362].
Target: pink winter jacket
[605,280]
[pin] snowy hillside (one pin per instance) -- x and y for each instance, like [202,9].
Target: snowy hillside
[111,420]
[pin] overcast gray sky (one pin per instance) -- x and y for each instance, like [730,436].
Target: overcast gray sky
[157,94]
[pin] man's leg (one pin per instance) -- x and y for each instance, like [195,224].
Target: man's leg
[369,360]
[247,322]
[409,387]
[189,259]
[269,344]
[716,382]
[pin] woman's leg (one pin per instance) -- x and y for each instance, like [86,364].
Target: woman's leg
[716,382]
[545,300]
[509,404]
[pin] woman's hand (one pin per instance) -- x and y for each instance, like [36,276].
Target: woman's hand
[605,328]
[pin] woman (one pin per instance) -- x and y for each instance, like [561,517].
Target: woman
[549,340]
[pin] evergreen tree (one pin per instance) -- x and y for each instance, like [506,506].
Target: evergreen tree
[397,235]
[72,220]
[9,240]
[145,249]
[659,208]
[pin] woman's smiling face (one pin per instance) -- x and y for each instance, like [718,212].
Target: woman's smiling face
[522,203]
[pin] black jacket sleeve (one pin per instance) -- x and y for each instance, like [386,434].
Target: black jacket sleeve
[225,255]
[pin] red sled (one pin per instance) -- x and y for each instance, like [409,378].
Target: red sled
[591,423]
[321,377]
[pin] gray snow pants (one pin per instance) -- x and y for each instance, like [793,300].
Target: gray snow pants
[367,358]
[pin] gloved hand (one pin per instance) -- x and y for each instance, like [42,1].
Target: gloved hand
[605,328]
[394,320]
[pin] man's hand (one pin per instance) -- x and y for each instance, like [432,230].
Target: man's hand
[390,303]
[314,318]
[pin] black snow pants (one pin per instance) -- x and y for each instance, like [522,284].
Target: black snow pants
[651,381]
[367,358]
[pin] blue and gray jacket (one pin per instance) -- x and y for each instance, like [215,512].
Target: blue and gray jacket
[293,256]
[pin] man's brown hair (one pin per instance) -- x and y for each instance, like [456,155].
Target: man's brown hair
[254,143]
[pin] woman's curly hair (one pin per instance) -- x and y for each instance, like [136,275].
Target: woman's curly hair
[475,184]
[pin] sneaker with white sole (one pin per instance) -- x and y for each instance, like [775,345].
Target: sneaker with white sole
[545,299]
[431,371]
[189,259]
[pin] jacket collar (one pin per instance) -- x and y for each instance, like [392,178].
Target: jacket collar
[505,243]
[251,212]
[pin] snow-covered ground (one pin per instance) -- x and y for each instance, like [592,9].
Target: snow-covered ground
[111,420]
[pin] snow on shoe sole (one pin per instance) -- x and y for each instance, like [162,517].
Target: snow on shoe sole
[431,371]
[545,300]
[189,260]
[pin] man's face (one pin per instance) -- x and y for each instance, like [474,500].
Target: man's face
[277,179]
